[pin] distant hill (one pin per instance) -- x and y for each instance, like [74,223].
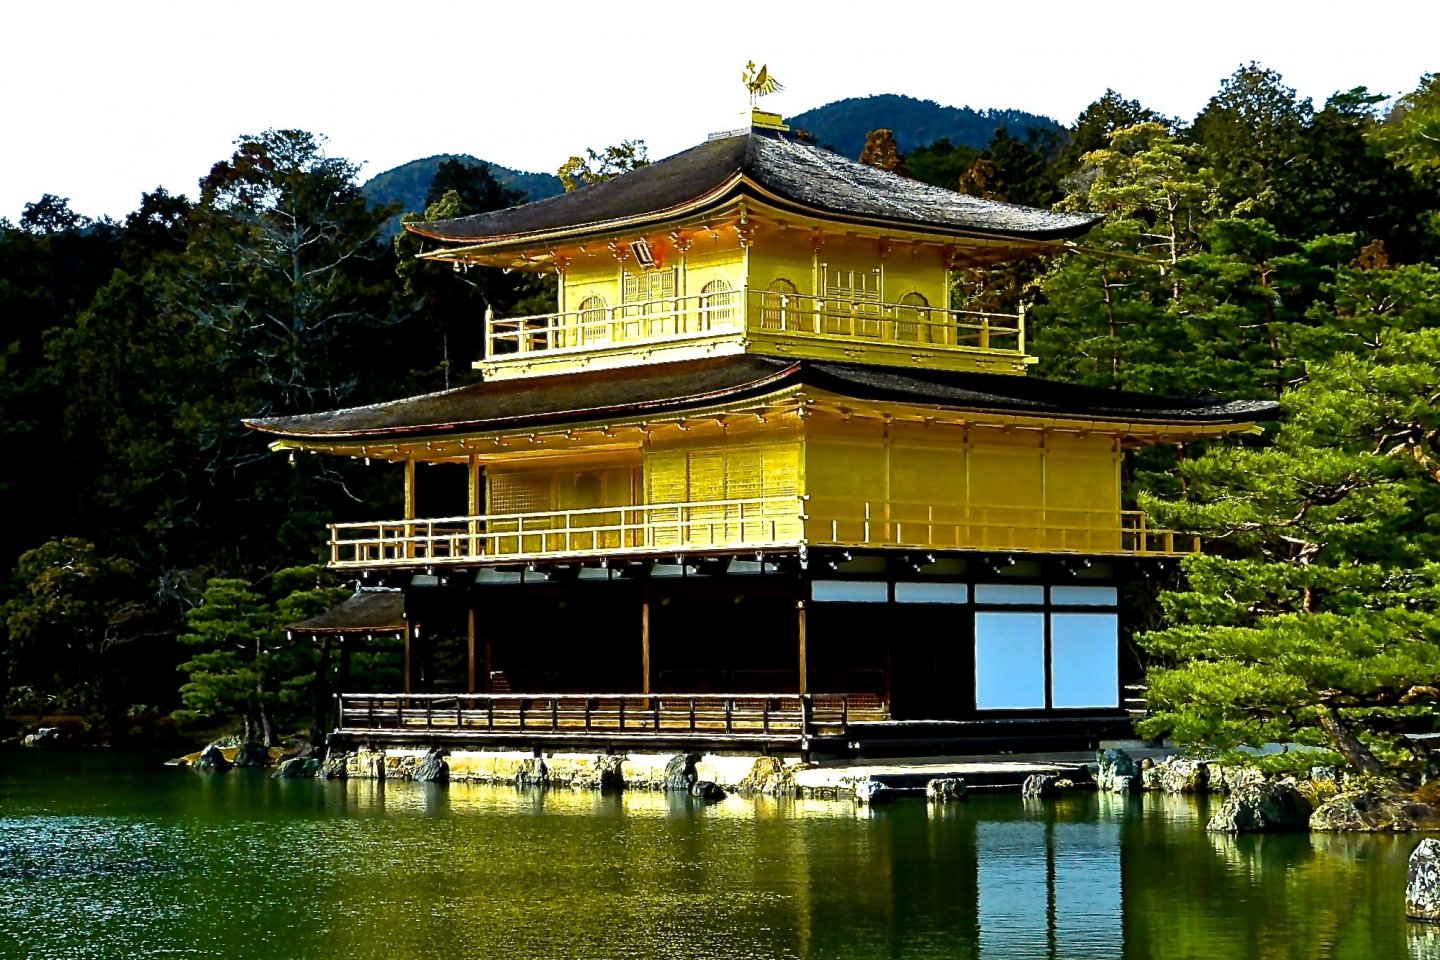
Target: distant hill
[410,182]
[844,123]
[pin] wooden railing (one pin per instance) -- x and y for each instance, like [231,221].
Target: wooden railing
[745,524]
[910,325]
[759,311]
[977,526]
[768,717]
[756,522]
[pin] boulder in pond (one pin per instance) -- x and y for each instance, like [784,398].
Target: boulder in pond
[1262,808]
[680,772]
[1113,763]
[1120,783]
[1040,785]
[1373,811]
[252,754]
[335,766]
[532,772]
[212,759]
[873,793]
[291,768]
[945,790]
[707,790]
[1180,775]
[1422,887]
[432,768]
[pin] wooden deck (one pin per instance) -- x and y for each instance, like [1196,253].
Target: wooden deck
[779,719]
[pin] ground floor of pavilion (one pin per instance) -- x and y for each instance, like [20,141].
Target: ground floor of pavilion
[881,652]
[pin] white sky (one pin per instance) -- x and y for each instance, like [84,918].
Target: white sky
[100,101]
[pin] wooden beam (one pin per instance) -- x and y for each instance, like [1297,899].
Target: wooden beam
[804,657]
[645,638]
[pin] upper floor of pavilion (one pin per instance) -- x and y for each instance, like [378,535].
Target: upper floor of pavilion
[754,242]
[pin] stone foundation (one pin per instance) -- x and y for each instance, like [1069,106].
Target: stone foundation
[746,775]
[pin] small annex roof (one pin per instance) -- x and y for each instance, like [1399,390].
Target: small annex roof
[774,167]
[368,611]
[673,388]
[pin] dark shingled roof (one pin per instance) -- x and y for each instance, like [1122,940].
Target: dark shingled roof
[675,387]
[368,611]
[805,177]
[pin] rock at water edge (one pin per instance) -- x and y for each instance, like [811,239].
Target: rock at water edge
[334,767]
[1422,888]
[945,790]
[1114,764]
[291,769]
[532,772]
[1184,776]
[872,793]
[432,768]
[707,790]
[213,759]
[1262,808]
[1372,811]
[680,772]
[1040,785]
[251,754]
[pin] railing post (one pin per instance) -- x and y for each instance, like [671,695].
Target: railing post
[554,714]
[807,715]
[1020,331]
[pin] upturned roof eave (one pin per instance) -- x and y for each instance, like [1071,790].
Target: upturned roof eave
[760,386]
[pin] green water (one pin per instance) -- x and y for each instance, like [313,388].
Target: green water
[104,856]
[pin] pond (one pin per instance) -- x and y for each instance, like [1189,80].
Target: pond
[105,855]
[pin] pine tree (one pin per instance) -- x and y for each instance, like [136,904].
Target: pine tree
[1317,617]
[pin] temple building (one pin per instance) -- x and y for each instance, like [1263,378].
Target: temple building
[758,478]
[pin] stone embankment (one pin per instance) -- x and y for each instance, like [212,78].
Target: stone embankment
[1324,800]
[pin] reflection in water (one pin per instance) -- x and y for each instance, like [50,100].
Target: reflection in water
[102,861]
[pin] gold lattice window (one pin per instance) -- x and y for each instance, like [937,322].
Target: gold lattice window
[780,308]
[911,316]
[717,304]
[594,320]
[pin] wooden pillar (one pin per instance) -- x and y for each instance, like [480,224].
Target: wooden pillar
[645,637]
[470,647]
[409,631]
[409,507]
[804,657]
[474,506]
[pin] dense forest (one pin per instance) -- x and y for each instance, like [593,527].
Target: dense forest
[1268,247]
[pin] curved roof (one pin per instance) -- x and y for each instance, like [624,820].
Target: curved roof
[366,611]
[771,166]
[684,385]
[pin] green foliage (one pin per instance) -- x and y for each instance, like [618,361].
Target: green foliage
[1319,614]
[941,163]
[606,164]
[243,662]
[74,608]
[842,125]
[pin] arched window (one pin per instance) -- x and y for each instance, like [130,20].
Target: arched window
[594,320]
[717,304]
[779,309]
[912,316]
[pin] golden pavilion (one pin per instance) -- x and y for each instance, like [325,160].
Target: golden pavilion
[756,479]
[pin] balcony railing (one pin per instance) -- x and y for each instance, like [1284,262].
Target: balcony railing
[747,524]
[760,312]
[639,716]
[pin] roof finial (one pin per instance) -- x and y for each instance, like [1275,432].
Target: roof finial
[759,82]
